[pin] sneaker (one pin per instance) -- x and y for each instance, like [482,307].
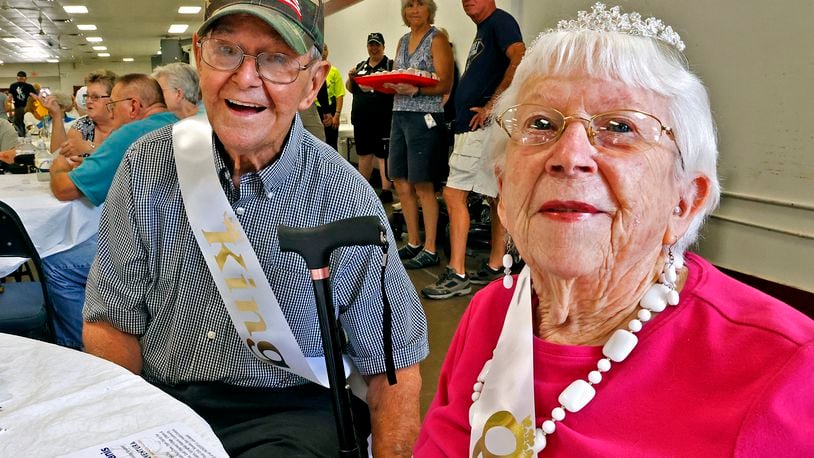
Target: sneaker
[485,274]
[408,252]
[421,260]
[448,285]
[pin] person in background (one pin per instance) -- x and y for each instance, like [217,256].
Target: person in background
[8,143]
[89,131]
[81,106]
[332,111]
[137,107]
[493,57]
[614,340]
[418,137]
[182,90]
[4,100]
[371,114]
[20,91]
[153,305]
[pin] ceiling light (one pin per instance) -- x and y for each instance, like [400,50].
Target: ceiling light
[127,59]
[100,48]
[103,54]
[189,9]
[94,39]
[178,28]
[86,27]
[53,61]
[13,40]
[76,9]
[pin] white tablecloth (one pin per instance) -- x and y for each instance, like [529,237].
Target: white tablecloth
[53,226]
[54,401]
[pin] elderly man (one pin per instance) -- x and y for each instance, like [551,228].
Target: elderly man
[493,57]
[189,271]
[137,107]
[181,87]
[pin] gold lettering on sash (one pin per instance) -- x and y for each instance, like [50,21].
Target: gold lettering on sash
[230,235]
[251,306]
[262,350]
[240,282]
[523,434]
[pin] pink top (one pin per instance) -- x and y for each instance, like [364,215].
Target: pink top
[728,372]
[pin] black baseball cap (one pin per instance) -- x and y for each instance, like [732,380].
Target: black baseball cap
[22,73]
[299,22]
[376,37]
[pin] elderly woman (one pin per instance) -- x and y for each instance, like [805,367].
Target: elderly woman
[88,131]
[613,341]
[417,135]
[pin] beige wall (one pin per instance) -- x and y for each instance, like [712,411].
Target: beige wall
[64,76]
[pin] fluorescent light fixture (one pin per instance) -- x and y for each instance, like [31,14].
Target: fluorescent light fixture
[127,59]
[76,9]
[103,54]
[100,48]
[53,61]
[13,40]
[189,9]
[94,39]
[1,62]
[86,27]
[178,28]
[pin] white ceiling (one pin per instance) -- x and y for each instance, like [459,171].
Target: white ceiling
[129,28]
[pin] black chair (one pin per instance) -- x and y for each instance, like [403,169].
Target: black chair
[25,308]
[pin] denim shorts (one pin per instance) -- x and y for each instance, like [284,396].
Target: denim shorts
[417,151]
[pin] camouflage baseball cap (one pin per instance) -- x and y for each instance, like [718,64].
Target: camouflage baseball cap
[299,22]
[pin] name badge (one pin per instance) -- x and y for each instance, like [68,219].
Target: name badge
[430,121]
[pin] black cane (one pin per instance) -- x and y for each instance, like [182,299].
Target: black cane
[315,245]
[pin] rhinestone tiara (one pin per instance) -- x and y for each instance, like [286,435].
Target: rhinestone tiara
[603,19]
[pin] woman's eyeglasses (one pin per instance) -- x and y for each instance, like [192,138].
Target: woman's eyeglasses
[623,131]
[275,67]
[94,97]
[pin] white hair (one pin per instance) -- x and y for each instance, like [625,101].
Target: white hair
[639,62]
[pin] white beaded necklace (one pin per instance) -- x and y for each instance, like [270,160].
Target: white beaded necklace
[621,343]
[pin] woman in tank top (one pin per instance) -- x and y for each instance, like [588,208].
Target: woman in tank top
[417,137]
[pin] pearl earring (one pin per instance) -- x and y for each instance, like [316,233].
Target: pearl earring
[677,210]
[508,261]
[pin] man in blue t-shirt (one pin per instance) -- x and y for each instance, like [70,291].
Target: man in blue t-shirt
[493,58]
[137,106]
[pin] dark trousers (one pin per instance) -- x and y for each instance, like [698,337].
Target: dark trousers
[19,122]
[332,137]
[270,422]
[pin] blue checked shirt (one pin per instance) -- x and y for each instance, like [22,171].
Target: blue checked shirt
[149,278]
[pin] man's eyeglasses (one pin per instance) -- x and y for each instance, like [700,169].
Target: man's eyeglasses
[621,131]
[94,97]
[274,67]
[110,105]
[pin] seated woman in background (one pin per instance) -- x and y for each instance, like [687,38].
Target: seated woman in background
[614,341]
[89,131]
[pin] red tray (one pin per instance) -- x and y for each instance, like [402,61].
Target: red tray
[377,81]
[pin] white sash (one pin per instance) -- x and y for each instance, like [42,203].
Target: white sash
[234,266]
[504,413]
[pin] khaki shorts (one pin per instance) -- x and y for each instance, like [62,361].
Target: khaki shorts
[470,168]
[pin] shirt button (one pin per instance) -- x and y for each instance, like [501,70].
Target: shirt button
[270,194]
[211,335]
[240,211]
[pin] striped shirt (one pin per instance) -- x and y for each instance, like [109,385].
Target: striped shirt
[149,278]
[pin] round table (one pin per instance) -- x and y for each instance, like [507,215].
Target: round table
[56,401]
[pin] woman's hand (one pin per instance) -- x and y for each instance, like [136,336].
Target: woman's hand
[50,103]
[403,89]
[335,121]
[8,155]
[75,147]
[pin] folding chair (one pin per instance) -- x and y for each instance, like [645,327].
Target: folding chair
[25,308]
